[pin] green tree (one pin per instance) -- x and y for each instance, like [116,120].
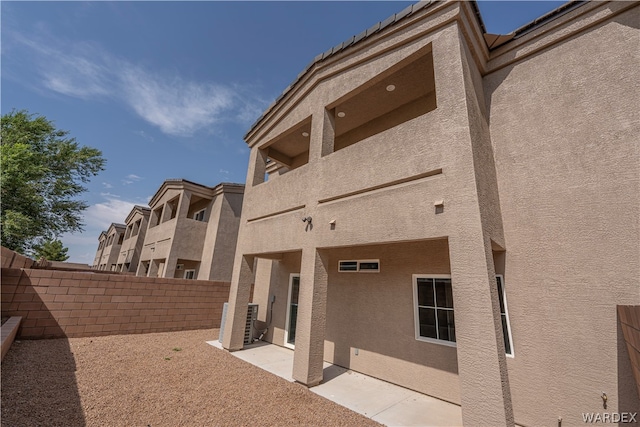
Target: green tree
[51,250]
[42,173]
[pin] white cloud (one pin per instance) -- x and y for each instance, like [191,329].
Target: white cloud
[131,178]
[101,215]
[109,195]
[144,135]
[176,106]
[107,185]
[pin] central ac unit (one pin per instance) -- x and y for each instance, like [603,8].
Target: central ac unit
[252,316]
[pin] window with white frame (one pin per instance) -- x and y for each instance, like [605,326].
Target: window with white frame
[189,274]
[433,309]
[504,316]
[368,265]
[199,216]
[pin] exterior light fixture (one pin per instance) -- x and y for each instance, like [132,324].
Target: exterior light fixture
[305,134]
[341,114]
[391,88]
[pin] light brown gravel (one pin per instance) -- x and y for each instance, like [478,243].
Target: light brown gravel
[163,379]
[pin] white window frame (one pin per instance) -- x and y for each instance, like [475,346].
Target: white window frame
[359,261]
[416,315]
[189,271]
[506,313]
[203,211]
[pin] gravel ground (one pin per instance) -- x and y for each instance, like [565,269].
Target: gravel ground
[163,379]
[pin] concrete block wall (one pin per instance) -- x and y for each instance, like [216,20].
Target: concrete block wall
[57,304]
[14,259]
[629,316]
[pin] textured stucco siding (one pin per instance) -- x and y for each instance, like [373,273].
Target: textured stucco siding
[564,126]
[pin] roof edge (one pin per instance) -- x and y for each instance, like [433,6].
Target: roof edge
[374,29]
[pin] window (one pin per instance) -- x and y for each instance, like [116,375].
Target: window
[199,216]
[433,309]
[369,265]
[189,274]
[504,316]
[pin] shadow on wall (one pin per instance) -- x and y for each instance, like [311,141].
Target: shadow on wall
[19,298]
[39,385]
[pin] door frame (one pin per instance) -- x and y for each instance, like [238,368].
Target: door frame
[288,308]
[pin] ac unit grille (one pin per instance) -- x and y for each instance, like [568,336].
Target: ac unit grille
[252,315]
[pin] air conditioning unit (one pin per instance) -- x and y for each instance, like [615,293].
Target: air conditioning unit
[179,266]
[252,316]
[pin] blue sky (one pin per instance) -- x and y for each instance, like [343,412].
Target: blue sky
[179,83]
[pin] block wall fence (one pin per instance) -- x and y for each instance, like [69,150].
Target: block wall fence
[15,260]
[56,303]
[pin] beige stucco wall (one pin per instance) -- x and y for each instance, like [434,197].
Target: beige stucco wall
[132,246]
[221,236]
[98,258]
[564,127]
[394,212]
[533,149]
[110,252]
[374,313]
[209,244]
[180,237]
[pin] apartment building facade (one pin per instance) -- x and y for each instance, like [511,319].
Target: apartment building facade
[102,239]
[110,242]
[192,231]
[455,211]
[136,228]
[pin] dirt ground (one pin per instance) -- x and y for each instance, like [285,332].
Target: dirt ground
[152,380]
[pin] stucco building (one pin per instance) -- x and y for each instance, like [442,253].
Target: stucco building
[102,238]
[136,229]
[455,212]
[109,245]
[192,231]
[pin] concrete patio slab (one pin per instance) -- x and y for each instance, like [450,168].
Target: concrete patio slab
[381,401]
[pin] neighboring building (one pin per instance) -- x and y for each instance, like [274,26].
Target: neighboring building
[136,222]
[192,231]
[423,174]
[111,248]
[102,240]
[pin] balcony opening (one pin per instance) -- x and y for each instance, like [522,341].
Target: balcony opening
[401,93]
[171,209]
[120,238]
[186,269]
[136,228]
[284,153]
[156,214]
[198,208]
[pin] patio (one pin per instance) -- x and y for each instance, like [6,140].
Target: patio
[378,400]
